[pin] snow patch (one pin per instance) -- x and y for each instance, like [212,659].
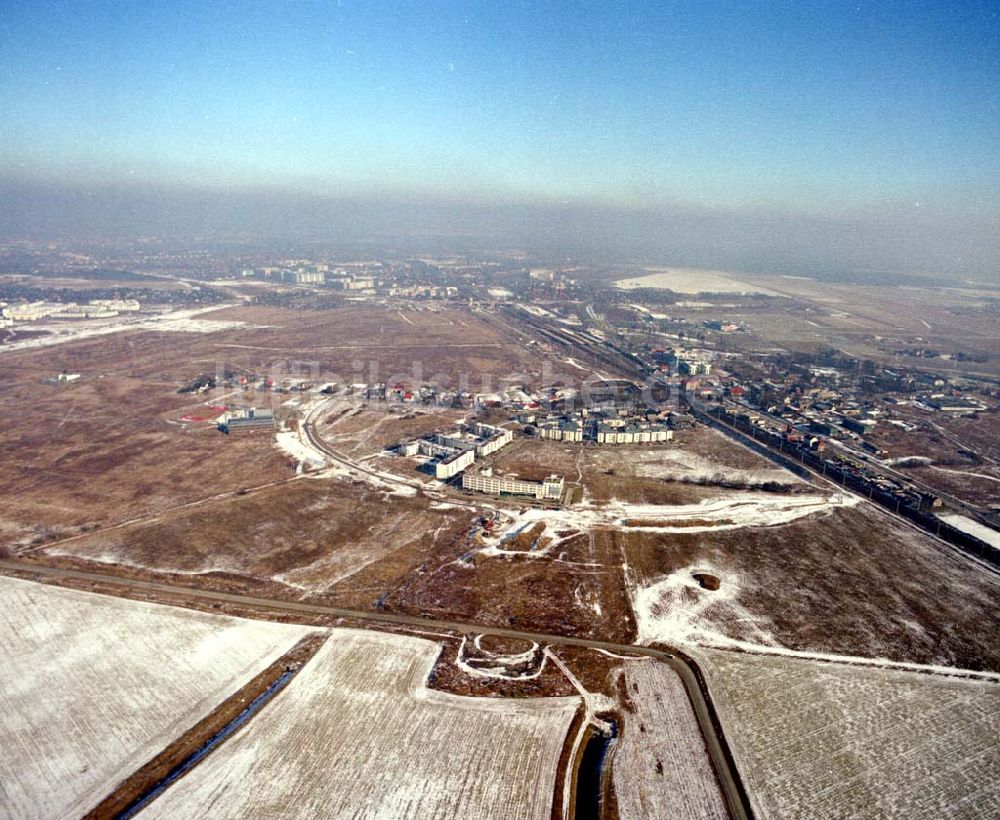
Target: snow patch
[176,321]
[676,609]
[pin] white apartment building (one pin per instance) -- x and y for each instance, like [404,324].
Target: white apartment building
[454,464]
[633,434]
[484,481]
[560,431]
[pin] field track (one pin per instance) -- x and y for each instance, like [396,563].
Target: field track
[708,721]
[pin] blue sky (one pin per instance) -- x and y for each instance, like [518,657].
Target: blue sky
[821,107]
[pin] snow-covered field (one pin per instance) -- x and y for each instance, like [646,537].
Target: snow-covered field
[683,465]
[830,740]
[731,511]
[661,768]
[94,686]
[678,610]
[690,280]
[298,447]
[178,321]
[357,734]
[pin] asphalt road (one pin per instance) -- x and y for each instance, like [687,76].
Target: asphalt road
[704,712]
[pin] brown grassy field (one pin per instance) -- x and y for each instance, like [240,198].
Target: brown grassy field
[963,452]
[306,536]
[346,545]
[578,591]
[111,447]
[353,340]
[367,430]
[685,471]
[852,582]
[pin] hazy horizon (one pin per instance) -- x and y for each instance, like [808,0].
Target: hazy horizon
[833,139]
[848,247]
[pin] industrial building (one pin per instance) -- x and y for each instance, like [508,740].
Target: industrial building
[483,481]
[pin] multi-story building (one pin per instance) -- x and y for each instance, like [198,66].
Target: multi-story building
[458,449]
[118,305]
[493,438]
[560,430]
[453,464]
[483,481]
[31,311]
[304,277]
[632,434]
[251,420]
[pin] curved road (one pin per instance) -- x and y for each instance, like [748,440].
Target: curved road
[704,712]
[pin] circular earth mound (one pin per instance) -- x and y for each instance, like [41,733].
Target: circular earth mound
[706,581]
[498,645]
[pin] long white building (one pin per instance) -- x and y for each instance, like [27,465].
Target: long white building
[633,434]
[483,481]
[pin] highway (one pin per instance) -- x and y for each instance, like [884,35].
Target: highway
[704,711]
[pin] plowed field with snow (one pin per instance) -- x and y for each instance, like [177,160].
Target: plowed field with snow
[829,740]
[661,768]
[357,734]
[92,686]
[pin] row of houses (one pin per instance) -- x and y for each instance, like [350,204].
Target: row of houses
[632,434]
[560,430]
